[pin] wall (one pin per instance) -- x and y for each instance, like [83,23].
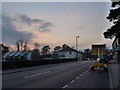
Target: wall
[68,54]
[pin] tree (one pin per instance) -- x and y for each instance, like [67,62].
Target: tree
[37,45]
[57,48]
[64,46]
[45,50]
[87,53]
[114,16]
[5,49]
[25,46]
[18,46]
[21,45]
[35,54]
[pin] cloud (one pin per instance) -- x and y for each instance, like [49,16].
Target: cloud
[26,19]
[44,27]
[9,32]
[40,25]
[23,27]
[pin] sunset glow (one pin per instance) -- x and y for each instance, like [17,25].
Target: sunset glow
[55,23]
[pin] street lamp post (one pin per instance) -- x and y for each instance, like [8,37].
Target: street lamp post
[77,42]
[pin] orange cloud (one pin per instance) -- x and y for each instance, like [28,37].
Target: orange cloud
[70,16]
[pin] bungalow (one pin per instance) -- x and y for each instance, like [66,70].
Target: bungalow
[6,56]
[21,55]
[68,53]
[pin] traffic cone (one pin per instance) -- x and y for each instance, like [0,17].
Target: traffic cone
[90,68]
[98,69]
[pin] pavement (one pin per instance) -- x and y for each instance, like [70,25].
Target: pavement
[114,73]
[66,75]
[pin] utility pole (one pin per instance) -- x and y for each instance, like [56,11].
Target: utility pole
[77,42]
[98,52]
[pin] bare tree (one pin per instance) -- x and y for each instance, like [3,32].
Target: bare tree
[18,46]
[57,48]
[37,45]
[45,50]
[21,45]
[25,45]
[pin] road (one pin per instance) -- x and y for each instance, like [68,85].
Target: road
[65,75]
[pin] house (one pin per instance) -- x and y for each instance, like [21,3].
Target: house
[6,56]
[13,55]
[21,55]
[116,47]
[68,53]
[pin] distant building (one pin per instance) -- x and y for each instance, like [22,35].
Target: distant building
[21,55]
[98,50]
[116,47]
[69,53]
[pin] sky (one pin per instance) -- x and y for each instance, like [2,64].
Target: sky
[55,23]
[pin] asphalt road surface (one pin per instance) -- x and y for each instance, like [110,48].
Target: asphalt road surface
[65,75]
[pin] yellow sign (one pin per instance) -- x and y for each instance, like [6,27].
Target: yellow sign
[100,51]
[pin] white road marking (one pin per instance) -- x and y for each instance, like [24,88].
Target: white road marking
[65,86]
[27,76]
[36,74]
[32,75]
[72,81]
[81,75]
[46,72]
[77,77]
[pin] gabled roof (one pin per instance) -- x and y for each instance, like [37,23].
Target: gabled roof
[7,54]
[68,49]
[18,53]
[13,53]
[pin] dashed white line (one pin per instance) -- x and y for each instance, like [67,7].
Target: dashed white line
[81,75]
[65,86]
[46,72]
[27,76]
[36,74]
[84,73]
[72,81]
[77,77]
